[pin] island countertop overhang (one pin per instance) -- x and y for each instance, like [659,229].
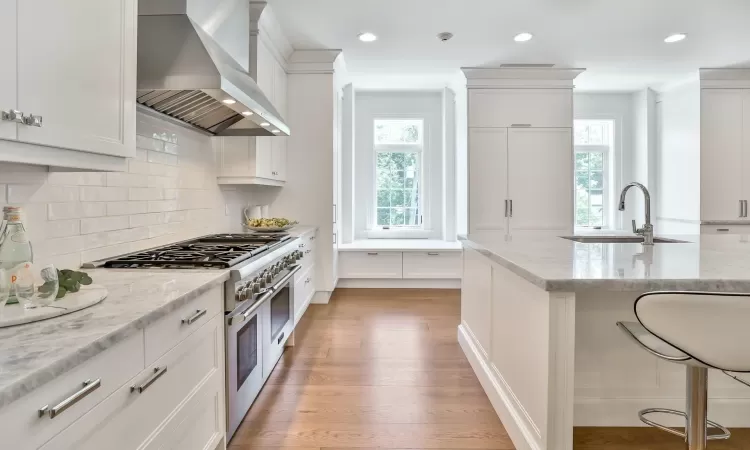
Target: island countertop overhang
[703,263]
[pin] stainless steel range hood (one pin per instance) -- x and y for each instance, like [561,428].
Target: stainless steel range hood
[184,73]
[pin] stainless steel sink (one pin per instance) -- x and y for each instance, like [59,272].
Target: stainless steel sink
[619,240]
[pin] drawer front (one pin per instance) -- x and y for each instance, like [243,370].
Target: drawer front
[129,417]
[21,424]
[432,264]
[167,332]
[370,265]
[546,108]
[725,229]
[304,288]
[307,247]
[198,425]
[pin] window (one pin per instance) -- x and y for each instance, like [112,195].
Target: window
[398,145]
[594,141]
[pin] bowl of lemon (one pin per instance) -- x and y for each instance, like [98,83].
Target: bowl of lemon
[269,225]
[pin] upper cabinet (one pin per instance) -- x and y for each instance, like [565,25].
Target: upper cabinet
[549,108]
[69,72]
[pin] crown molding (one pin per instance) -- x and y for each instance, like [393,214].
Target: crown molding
[725,78]
[518,77]
[314,61]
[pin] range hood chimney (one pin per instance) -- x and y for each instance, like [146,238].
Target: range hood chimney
[185,73]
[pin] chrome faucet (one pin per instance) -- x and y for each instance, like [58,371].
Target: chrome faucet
[648,230]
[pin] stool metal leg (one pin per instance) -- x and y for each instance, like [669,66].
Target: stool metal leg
[696,432]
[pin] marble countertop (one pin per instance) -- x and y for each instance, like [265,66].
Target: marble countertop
[706,263]
[34,354]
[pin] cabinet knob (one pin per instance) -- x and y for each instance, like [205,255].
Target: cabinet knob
[12,116]
[33,121]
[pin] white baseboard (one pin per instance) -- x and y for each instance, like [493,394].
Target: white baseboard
[522,434]
[617,412]
[398,283]
[321,297]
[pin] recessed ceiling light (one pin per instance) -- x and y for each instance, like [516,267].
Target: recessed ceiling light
[275,131]
[229,101]
[677,37]
[265,124]
[523,37]
[367,37]
[247,113]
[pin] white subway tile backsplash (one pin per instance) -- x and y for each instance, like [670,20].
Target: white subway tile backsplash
[142,220]
[63,228]
[162,158]
[61,211]
[126,208]
[163,205]
[169,193]
[103,194]
[77,178]
[98,224]
[146,194]
[127,179]
[148,143]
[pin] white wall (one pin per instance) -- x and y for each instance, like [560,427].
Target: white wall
[169,193]
[617,107]
[373,104]
[644,148]
[678,159]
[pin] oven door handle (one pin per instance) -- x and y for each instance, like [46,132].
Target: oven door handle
[287,277]
[256,305]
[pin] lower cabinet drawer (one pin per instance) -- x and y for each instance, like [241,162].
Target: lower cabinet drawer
[167,332]
[432,264]
[198,424]
[23,428]
[370,265]
[725,229]
[130,415]
[304,288]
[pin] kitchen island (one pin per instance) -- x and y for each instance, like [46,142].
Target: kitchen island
[538,318]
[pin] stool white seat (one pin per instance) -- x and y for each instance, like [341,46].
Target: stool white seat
[700,330]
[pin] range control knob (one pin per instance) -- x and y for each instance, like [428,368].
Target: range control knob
[269,277]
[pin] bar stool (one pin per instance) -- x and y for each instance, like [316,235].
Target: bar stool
[700,330]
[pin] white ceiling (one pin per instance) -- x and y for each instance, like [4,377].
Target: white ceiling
[620,42]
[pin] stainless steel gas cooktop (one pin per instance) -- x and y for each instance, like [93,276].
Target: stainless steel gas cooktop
[214,251]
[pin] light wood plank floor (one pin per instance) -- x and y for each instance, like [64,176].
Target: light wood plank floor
[382,369]
[375,369]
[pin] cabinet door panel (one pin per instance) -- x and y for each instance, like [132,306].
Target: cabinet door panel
[264,157]
[488,182]
[540,178]
[279,88]
[279,158]
[530,107]
[721,154]
[8,99]
[76,69]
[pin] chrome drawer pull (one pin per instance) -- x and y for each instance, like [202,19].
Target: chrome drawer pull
[302,246]
[372,253]
[433,254]
[88,387]
[523,125]
[198,314]
[12,115]
[158,372]
[722,229]
[33,121]
[308,251]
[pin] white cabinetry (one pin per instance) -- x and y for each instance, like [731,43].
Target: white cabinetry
[73,68]
[175,400]
[427,265]
[257,160]
[304,279]
[520,150]
[725,153]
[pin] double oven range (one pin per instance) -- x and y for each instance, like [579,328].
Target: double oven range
[258,302]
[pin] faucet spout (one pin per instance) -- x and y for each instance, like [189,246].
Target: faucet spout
[648,229]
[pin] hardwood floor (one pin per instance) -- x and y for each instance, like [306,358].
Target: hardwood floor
[382,369]
[374,369]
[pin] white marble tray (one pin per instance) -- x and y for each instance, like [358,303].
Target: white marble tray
[88,296]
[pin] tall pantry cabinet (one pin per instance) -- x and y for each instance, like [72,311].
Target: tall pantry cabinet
[725,148]
[520,149]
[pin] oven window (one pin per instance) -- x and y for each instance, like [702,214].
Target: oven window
[247,350]
[280,311]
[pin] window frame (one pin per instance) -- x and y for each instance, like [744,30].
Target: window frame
[424,230]
[609,154]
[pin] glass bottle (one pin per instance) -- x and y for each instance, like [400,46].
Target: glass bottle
[15,248]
